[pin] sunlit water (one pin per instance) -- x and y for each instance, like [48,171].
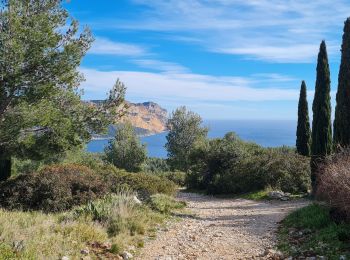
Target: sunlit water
[266,133]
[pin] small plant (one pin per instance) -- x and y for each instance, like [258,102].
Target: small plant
[312,227]
[115,249]
[165,204]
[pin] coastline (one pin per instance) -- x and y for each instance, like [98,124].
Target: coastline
[109,137]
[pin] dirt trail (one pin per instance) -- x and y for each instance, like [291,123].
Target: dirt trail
[220,229]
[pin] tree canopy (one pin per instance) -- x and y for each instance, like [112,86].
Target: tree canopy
[303,128]
[342,109]
[41,111]
[185,130]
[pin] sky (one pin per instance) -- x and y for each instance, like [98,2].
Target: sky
[224,59]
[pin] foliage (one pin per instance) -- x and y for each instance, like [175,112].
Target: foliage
[321,107]
[334,183]
[185,131]
[256,195]
[342,109]
[54,188]
[41,112]
[303,129]
[155,165]
[118,221]
[175,176]
[142,183]
[125,151]
[229,165]
[165,204]
[34,235]
[318,233]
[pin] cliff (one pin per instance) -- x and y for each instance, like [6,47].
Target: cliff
[148,118]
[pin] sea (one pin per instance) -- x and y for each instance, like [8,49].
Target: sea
[268,133]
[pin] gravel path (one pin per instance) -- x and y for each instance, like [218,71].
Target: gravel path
[220,229]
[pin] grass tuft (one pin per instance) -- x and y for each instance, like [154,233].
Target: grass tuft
[310,231]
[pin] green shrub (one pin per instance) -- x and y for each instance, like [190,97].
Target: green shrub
[54,188]
[155,165]
[165,204]
[144,184]
[125,151]
[311,227]
[230,165]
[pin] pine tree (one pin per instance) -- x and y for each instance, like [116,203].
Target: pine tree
[303,129]
[321,124]
[342,109]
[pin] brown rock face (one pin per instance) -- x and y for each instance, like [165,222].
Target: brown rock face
[147,117]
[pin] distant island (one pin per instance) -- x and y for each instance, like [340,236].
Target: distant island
[148,118]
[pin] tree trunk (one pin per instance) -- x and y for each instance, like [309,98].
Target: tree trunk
[5,165]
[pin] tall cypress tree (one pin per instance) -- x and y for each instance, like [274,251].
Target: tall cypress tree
[303,129]
[321,124]
[342,109]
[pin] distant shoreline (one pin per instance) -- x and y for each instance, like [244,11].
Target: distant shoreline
[97,138]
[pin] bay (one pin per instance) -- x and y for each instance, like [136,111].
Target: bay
[268,133]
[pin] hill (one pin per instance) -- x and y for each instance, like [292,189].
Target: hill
[148,118]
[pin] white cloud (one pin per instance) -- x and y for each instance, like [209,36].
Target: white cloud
[160,65]
[183,87]
[269,30]
[106,46]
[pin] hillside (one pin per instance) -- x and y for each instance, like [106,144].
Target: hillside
[148,118]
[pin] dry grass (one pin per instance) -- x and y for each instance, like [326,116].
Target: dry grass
[40,236]
[115,219]
[334,182]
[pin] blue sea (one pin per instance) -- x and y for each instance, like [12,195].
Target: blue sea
[268,133]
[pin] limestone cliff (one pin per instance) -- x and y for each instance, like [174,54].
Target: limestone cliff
[148,118]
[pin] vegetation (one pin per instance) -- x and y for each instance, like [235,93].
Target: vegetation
[165,204]
[311,231]
[41,114]
[185,132]
[105,227]
[321,107]
[334,184]
[342,109]
[54,188]
[232,166]
[303,142]
[125,151]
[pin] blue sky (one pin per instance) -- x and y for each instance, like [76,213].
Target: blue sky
[225,59]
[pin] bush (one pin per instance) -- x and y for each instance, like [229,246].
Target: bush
[155,165]
[142,183]
[312,227]
[54,188]
[165,204]
[229,165]
[125,151]
[334,183]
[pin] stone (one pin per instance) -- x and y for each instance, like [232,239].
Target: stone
[65,258]
[85,251]
[274,254]
[126,255]
[275,194]
[136,200]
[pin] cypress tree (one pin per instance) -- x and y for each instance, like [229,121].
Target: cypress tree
[342,109]
[303,129]
[321,124]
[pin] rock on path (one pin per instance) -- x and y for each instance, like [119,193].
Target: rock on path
[220,229]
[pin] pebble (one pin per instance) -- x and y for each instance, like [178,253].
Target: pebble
[126,255]
[85,251]
[221,229]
